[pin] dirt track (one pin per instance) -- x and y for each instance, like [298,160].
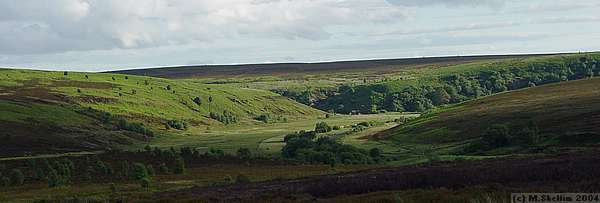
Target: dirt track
[566,170]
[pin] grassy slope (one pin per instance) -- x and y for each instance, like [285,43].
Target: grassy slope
[560,109]
[41,109]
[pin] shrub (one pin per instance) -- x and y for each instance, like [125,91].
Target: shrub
[177,124]
[375,152]
[113,188]
[364,124]
[244,153]
[150,170]
[322,127]
[139,171]
[145,182]
[125,169]
[134,127]
[336,127]
[324,150]
[227,117]
[179,167]
[241,178]
[4,181]
[228,179]
[163,169]
[16,177]
[264,118]
[496,136]
[198,101]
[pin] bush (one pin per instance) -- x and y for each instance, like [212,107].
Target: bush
[139,171]
[145,182]
[122,124]
[324,150]
[113,188]
[496,136]
[198,101]
[375,152]
[228,179]
[163,169]
[227,117]
[322,127]
[150,170]
[241,178]
[16,177]
[4,181]
[244,153]
[177,124]
[179,167]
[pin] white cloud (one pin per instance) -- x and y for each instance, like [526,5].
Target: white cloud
[449,3]
[32,26]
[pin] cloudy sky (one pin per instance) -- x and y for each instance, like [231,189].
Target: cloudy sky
[95,35]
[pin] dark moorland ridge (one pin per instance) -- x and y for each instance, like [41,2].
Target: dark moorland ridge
[324,67]
[574,170]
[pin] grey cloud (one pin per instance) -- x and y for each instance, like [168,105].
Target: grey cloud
[34,27]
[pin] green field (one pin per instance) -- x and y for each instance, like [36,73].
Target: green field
[42,109]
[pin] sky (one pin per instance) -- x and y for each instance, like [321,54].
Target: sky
[101,35]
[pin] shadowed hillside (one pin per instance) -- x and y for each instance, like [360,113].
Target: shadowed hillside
[566,114]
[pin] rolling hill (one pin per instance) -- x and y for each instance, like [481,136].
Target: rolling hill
[281,69]
[65,111]
[566,113]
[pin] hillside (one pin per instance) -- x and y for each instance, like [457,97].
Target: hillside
[566,114]
[57,111]
[279,69]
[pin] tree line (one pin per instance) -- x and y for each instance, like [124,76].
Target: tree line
[452,88]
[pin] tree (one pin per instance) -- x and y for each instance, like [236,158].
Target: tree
[530,133]
[65,73]
[198,101]
[16,177]
[179,167]
[439,96]
[375,152]
[145,182]
[496,136]
[163,169]
[322,127]
[4,181]
[241,178]
[139,171]
[169,87]
[244,153]
[113,188]
[150,170]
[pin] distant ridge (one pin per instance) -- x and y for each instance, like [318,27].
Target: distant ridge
[320,67]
